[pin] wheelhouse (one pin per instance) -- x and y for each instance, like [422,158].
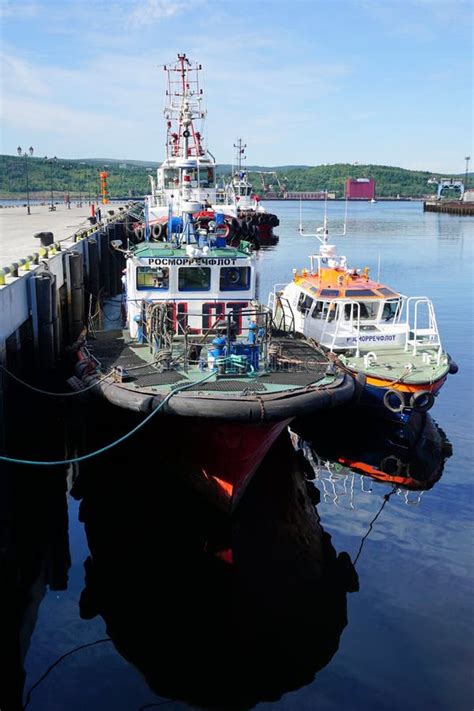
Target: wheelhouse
[198,290]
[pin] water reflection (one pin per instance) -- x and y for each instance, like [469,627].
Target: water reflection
[214,611]
[344,454]
[217,613]
[34,543]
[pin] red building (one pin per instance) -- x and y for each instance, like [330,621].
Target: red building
[360,188]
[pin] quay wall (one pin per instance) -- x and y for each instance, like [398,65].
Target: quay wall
[46,298]
[452,207]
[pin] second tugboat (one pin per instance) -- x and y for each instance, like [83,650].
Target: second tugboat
[188,162]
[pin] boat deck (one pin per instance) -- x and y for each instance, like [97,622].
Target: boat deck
[298,365]
[396,364]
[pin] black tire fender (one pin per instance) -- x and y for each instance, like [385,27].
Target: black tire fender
[422,401]
[389,395]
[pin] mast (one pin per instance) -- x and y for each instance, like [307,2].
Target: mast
[183,108]
[240,153]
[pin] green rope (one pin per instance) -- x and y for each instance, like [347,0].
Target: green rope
[124,437]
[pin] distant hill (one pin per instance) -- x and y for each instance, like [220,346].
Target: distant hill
[129,178]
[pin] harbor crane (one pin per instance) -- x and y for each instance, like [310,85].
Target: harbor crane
[266,187]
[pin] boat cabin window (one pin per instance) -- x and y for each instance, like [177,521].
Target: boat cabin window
[153,278]
[355,293]
[387,292]
[171,177]
[206,178]
[234,278]
[390,309]
[368,310]
[304,303]
[324,310]
[194,278]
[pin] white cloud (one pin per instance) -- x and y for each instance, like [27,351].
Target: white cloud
[146,13]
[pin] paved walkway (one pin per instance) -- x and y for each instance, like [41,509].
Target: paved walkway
[17,227]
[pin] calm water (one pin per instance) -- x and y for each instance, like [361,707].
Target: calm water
[286,625]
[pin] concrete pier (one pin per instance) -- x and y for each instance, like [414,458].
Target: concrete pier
[47,290]
[451,207]
[17,228]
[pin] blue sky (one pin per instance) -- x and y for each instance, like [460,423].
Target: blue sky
[301,81]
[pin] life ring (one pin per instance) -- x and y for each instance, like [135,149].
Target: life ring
[422,401]
[387,401]
[139,233]
[158,231]
[223,230]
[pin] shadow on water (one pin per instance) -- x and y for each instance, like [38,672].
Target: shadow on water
[216,611]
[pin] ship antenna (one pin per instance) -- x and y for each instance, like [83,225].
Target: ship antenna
[240,153]
[325,226]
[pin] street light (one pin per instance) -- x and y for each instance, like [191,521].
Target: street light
[67,169]
[51,162]
[26,155]
[466,182]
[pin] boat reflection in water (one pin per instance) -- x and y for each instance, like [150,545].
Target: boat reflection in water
[336,451]
[215,611]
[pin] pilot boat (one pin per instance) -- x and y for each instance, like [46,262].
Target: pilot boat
[371,328]
[199,346]
[190,163]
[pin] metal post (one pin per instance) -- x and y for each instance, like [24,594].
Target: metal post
[26,156]
[466,182]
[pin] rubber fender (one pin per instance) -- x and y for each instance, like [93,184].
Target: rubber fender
[453,367]
[158,232]
[422,401]
[393,395]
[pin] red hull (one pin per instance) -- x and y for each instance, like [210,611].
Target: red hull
[227,455]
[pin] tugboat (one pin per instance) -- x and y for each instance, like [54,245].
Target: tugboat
[199,346]
[368,327]
[188,162]
[250,213]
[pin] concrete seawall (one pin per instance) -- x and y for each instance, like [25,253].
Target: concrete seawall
[47,292]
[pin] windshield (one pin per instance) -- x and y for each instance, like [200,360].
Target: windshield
[368,310]
[390,309]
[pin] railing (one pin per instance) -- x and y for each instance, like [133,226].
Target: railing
[280,307]
[421,336]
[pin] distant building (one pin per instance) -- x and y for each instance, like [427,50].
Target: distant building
[360,188]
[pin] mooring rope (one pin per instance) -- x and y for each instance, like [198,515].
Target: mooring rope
[385,499]
[107,447]
[50,392]
[73,651]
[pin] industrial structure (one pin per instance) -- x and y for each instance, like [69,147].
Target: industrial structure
[360,189]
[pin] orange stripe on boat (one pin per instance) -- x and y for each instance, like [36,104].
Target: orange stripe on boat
[228,488]
[377,473]
[405,387]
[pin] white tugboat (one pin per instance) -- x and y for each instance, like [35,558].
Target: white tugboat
[188,175]
[198,346]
